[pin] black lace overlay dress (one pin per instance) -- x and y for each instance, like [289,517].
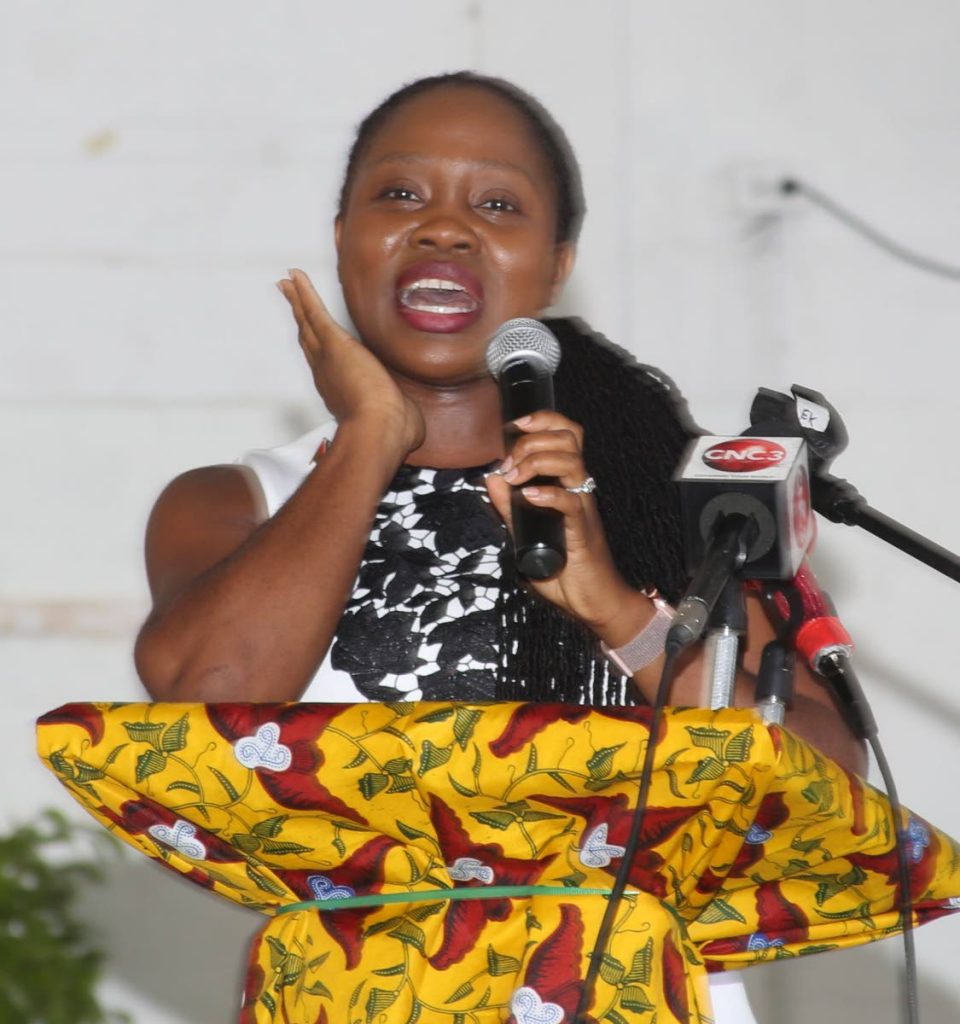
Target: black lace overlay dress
[422,621]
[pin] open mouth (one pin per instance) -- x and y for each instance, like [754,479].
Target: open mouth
[437,295]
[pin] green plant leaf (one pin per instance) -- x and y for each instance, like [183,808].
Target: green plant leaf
[264,882]
[500,963]
[464,723]
[190,787]
[278,952]
[407,931]
[87,772]
[373,783]
[464,990]
[387,972]
[357,761]
[245,842]
[495,819]
[440,715]
[382,926]
[558,778]
[409,832]
[61,765]
[819,793]
[719,910]
[601,763]
[574,880]
[402,736]
[283,849]
[318,988]
[460,787]
[149,763]
[611,970]
[532,815]
[634,998]
[401,707]
[270,828]
[712,739]
[708,768]
[145,732]
[641,969]
[425,910]
[738,749]
[433,757]
[228,786]
[175,736]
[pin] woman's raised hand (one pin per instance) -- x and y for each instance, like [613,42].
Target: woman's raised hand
[352,382]
[589,587]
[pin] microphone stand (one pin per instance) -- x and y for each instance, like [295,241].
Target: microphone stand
[840,502]
[728,623]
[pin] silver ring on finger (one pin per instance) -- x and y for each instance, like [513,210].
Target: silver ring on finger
[587,487]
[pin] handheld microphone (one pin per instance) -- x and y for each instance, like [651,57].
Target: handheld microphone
[522,357]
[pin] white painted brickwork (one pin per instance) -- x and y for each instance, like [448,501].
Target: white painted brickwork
[162,164]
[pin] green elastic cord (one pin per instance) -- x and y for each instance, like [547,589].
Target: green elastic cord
[488,892]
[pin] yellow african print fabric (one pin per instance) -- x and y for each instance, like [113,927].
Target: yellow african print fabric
[449,862]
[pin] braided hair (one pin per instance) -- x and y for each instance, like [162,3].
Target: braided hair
[635,428]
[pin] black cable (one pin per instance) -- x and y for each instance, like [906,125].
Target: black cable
[836,670]
[630,848]
[793,186]
[911,1004]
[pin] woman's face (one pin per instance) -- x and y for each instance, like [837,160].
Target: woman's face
[448,231]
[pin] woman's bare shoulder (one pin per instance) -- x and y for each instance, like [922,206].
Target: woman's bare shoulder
[200,518]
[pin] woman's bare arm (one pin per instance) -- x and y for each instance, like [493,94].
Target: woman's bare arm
[245,607]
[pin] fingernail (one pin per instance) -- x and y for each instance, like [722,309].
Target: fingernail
[511,474]
[531,492]
[523,421]
[506,465]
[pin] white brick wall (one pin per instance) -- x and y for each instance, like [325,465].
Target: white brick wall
[163,164]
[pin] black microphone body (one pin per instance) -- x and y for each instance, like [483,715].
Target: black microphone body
[728,548]
[522,357]
[526,387]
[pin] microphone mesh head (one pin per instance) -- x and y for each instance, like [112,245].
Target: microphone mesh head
[522,338]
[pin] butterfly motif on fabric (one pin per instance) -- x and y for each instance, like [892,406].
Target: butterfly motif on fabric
[264,750]
[596,852]
[182,838]
[758,835]
[529,1008]
[465,869]
[325,889]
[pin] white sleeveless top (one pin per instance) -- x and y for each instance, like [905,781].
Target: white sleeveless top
[280,471]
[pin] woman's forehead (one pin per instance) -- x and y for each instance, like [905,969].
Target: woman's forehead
[459,123]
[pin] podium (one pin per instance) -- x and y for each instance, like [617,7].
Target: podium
[444,862]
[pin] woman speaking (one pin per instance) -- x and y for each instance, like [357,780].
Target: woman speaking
[370,559]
